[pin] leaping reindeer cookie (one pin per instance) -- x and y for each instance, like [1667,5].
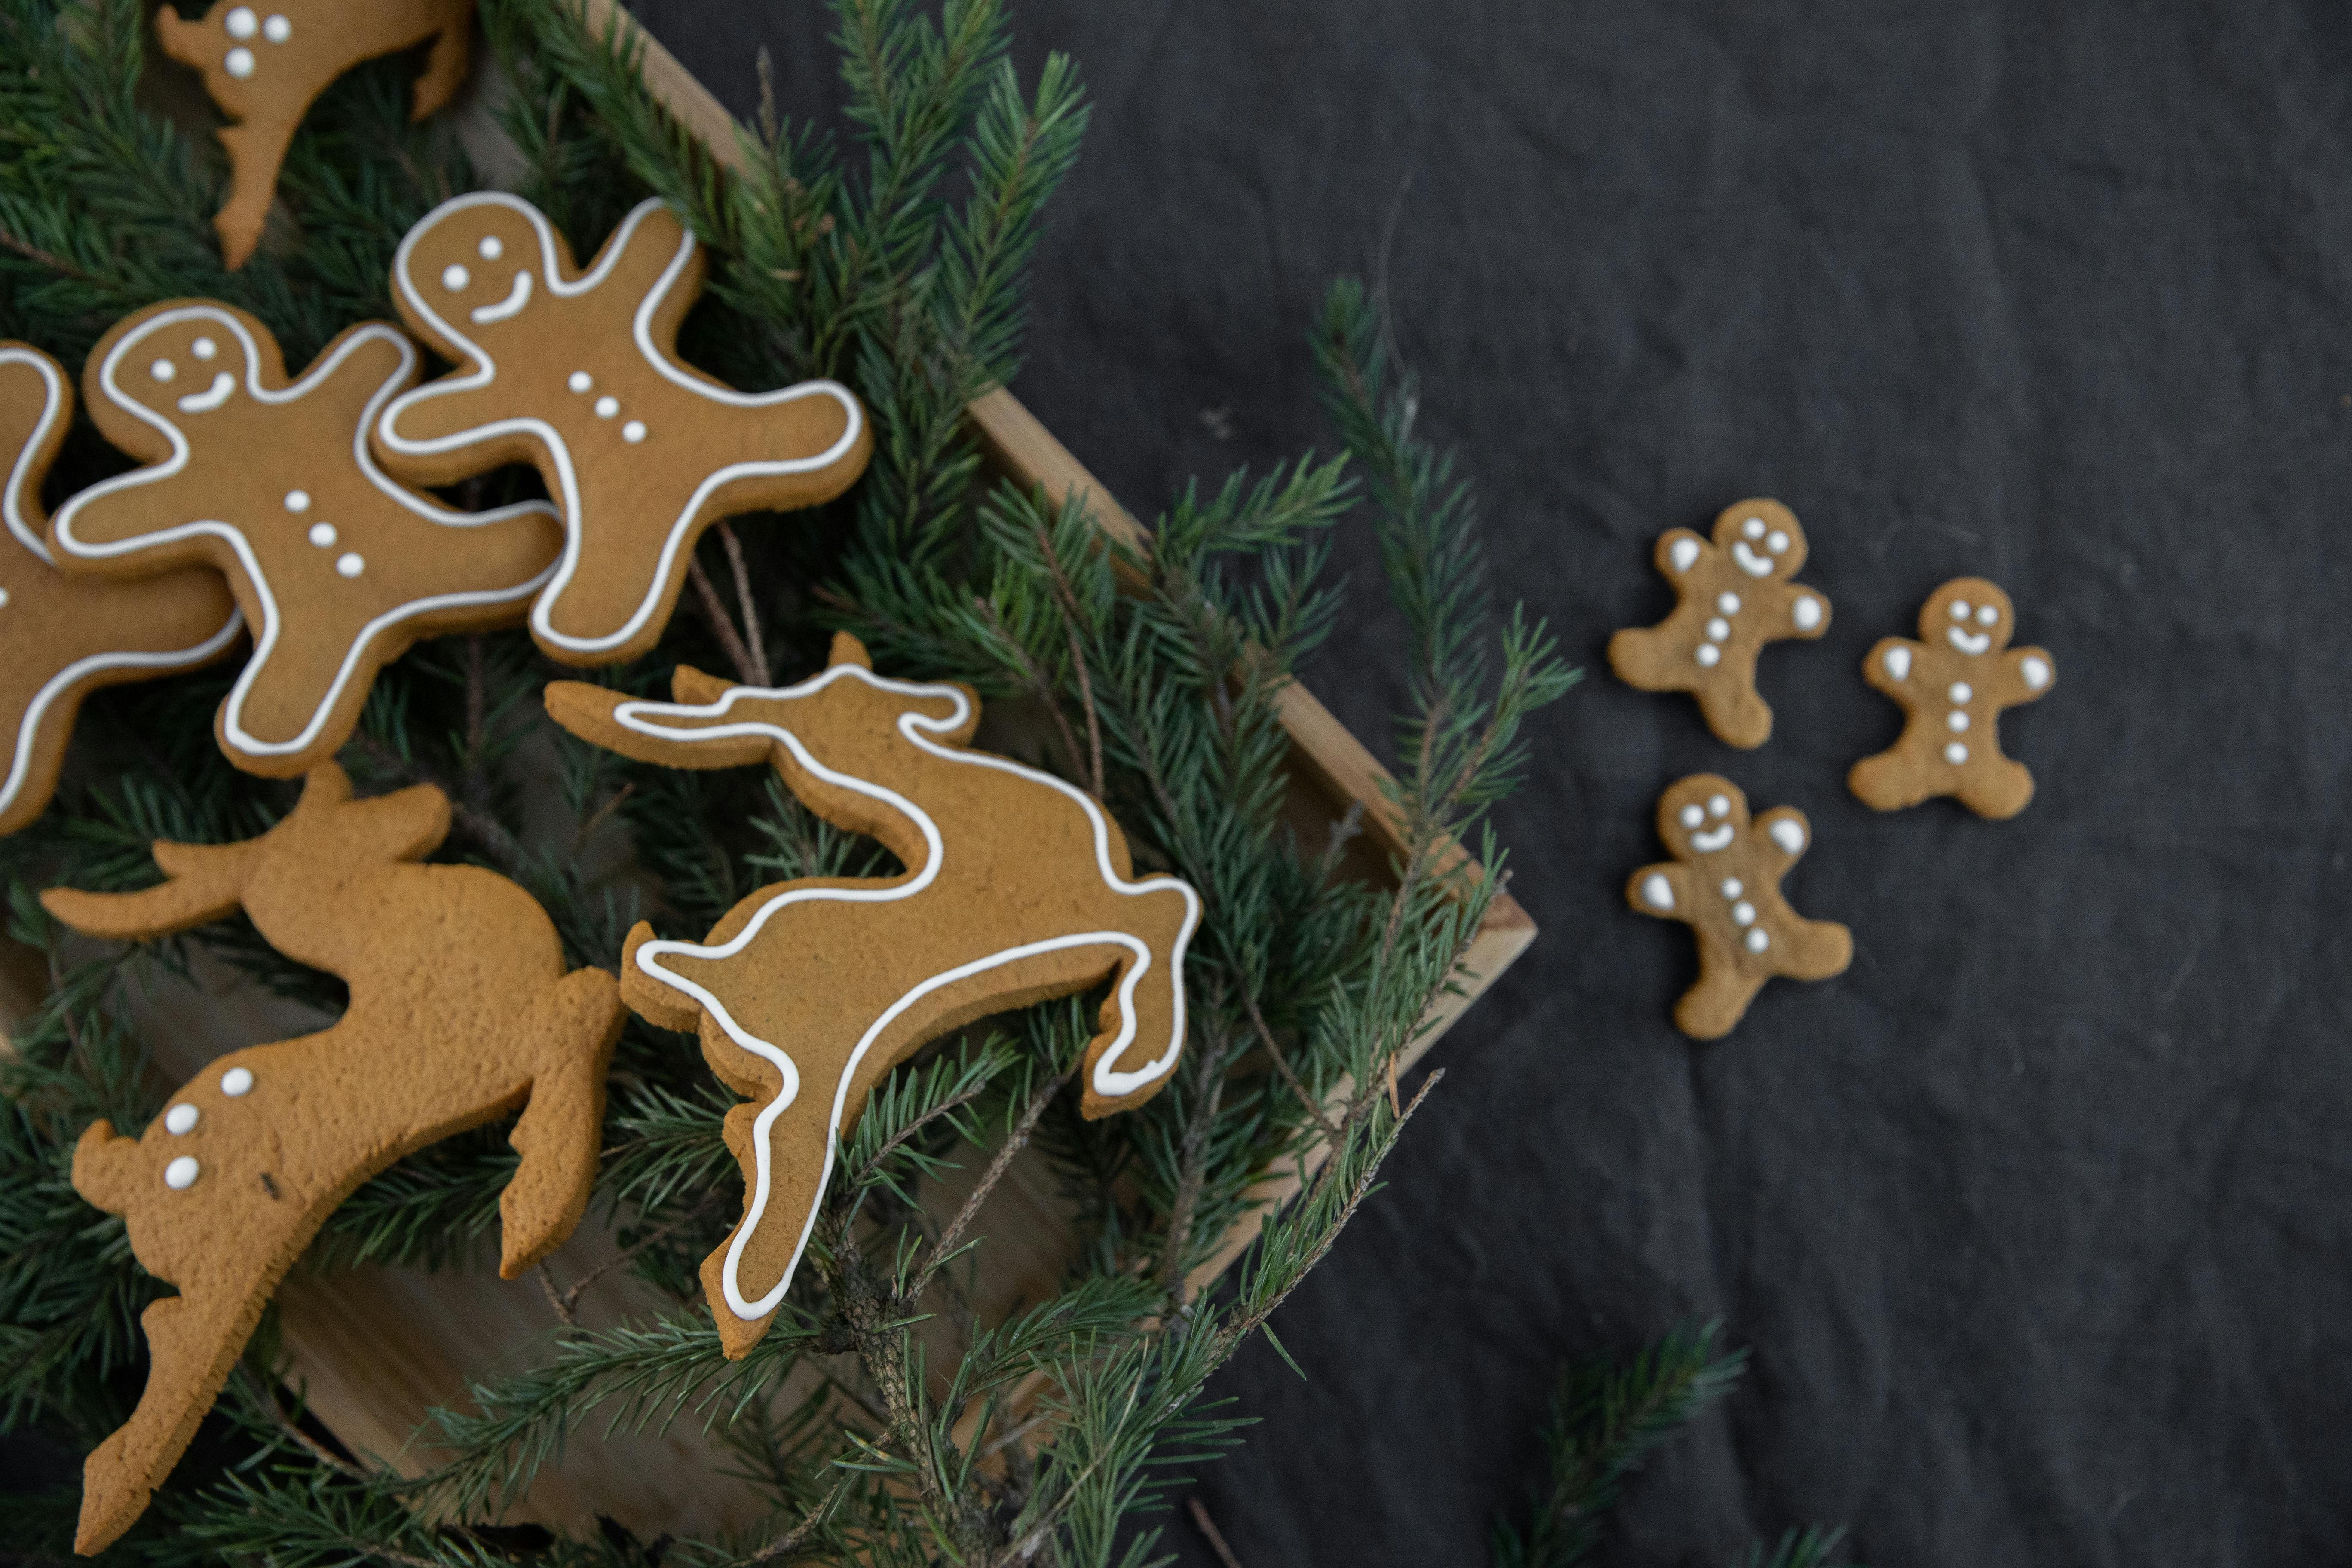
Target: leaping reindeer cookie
[266,64]
[578,374]
[61,638]
[1018,889]
[461,1012]
[1953,684]
[337,569]
[1723,882]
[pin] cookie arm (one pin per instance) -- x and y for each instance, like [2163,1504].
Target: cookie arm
[1663,891]
[1677,551]
[2026,675]
[1797,611]
[1890,664]
[1783,835]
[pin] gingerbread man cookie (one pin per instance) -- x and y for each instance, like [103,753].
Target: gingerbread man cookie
[61,638]
[579,373]
[1725,884]
[265,65]
[1953,684]
[337,569]
[1735,595]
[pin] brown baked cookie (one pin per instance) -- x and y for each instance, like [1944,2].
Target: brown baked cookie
[1018,889]
[62,637]
[266,64]
[1725,884]
[579,373]
[337,569]
[1733,596]
[1953,684]
[461,1012]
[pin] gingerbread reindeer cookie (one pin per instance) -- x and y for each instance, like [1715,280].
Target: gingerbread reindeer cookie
[61,637]
[1953,684]
[1723,882]
[337,569]
[1733,596]
[579,373]
[461,1012]
[266,64]
[1018,889]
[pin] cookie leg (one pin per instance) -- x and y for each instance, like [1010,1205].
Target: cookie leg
[561,1129]
[1733,711]
[1818,949]
[1709,1010]
[799,1141]
[256,149]
[1888,782]
[1998,789]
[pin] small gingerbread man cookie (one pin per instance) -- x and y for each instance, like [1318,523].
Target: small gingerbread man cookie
[1736,594]
[337,568]
[579,373]
[1953,684]
[1725,884]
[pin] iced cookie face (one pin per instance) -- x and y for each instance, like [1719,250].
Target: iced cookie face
[1704,814]
[187,363]
[480,265]
[1763,538]
[1969,615]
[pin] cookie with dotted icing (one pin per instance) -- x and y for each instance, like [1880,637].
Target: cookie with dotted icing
[1723,882]
[1953,684]
[264,65]
[62,637]
[1732,596]
[461,1012]
[578,374]
[272,483]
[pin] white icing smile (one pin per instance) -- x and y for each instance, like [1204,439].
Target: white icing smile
[1710,842]
[511,306]
[1970,642]
[1755,565]
[224,385]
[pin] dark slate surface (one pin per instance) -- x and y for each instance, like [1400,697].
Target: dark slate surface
[2037,1219]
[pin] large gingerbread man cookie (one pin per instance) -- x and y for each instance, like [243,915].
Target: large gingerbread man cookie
[1723,882]
[1733,596]
[61,638]
[1953,684]
[265,66]
[579,373]
[337,569]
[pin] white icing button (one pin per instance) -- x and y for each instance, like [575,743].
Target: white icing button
[1777,543]
[1787,834]
[278,29]
[1756,940]
[1727,603]
[203,348]
[1683,553]
[181,1174]
[1959,609]
[2036,673]
[1743,914]
[239,64]
[241,23]
[352,565]
[489,249]
[1961,691]
[607,407]
[1693,816]
[1657,892]
[322,534]
[237,1081]
[453,277]
[1808,612]
[1731,888]
[1989,615]
[1721,805]
[4,598]
[1717,630]
[1956,754]
[1708,654]
[298,500]
[1753,528]
[180,1120]
[163,370]
[1898,662]
[634,431]
[1955,720]
[580,380]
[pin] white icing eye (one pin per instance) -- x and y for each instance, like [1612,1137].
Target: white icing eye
[1692,816]
[1753,528]
[1727,603]
[490,249]
[322,534]
[2036,673]
[1756,940]
[455,278]
[607,407]
[241,23]
[163,370]
[1709,655]
[278,29]
[203,348]
[1807,613]
[634,431]
[1721,805]
[1731,888]
[1989,615]
[1683,553]
[298,500]
[1778,543]
[1961,691]
[580,381]
[1789,835]
[181,1174]
[239,64]
[1959,609]
[180,1120]
[1956,722]
[351,566]
[1717,630]
[236,1082]
[1956,754]
[1657,892]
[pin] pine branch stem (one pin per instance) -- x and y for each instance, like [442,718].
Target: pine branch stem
[1022,1129]
[755,646]
[730,641]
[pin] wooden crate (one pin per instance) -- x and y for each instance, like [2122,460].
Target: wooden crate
[373,1349]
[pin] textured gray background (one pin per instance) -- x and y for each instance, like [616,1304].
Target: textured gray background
[2037,1218]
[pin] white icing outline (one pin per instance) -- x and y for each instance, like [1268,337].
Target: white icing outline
[232,710]
[484,372]
[1971,643]
[1105,1081]
[19,484]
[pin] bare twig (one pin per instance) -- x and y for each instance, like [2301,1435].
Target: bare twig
[1207,1068]
[1072,617]
[754,644]
[266,1398]
[654,1237]
[811,1522]
[1038,683]
[1208,1529]
[1022,1129]
[556,1299]
[729,640]
[1329,1129]
[54,263]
